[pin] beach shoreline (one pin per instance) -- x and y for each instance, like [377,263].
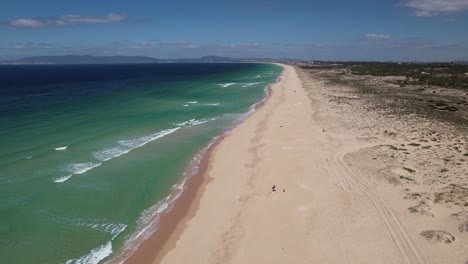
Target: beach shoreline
[171,222]
[341,194]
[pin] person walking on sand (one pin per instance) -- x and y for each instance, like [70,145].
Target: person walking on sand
[273,188]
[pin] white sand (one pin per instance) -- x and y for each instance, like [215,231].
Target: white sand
[329,212]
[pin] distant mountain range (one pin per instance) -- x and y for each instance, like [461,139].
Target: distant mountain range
[87,59]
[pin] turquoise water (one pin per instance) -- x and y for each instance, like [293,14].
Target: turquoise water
[90,153]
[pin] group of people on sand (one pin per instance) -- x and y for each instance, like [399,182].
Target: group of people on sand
[273,188]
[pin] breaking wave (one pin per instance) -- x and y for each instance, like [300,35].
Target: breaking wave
[224,85]
[103,251]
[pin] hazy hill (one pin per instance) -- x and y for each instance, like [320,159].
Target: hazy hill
[87,59]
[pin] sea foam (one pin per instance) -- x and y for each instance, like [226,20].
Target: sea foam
[139,142]
[77,168]
[224,85]
[61,148]
[63,178]
[103,251]
[250,84]
[80,168]
[110,153]
[95,256]
[103,155]
[191,122]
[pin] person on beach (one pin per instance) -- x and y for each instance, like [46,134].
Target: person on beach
[273,188]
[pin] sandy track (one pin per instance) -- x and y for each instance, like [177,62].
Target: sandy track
[357,186]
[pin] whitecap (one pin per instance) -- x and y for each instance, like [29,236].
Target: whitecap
[224,85]
[250,84]
[192,122]
[115,229]
[113,152]
[231,116]
[63,178]
[139,142]
[110,153]
[192,102]
[80,168]
[198,122]
[103,251]
[77,168]
[212,104]
[185,123]
[111,228]
[61,148]
[95,256]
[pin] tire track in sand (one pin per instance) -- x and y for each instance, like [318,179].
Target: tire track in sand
[357,186]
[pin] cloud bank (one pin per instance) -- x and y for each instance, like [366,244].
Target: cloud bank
[65,20]
[425,8]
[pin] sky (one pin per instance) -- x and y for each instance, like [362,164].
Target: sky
[377,30]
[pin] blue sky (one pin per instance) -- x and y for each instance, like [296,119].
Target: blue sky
[317,30]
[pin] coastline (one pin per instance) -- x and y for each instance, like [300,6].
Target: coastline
[171,222]
[333,201]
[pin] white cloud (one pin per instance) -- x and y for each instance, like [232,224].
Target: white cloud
[26,23]
[31,45]
[75,19]
[143,45]
[65,20]
[162,44]
[250,46]
[373,36]
[436,7]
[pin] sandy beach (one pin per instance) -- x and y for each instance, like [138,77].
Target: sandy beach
[331,204]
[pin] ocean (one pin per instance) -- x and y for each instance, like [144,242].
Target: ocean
[91,154]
